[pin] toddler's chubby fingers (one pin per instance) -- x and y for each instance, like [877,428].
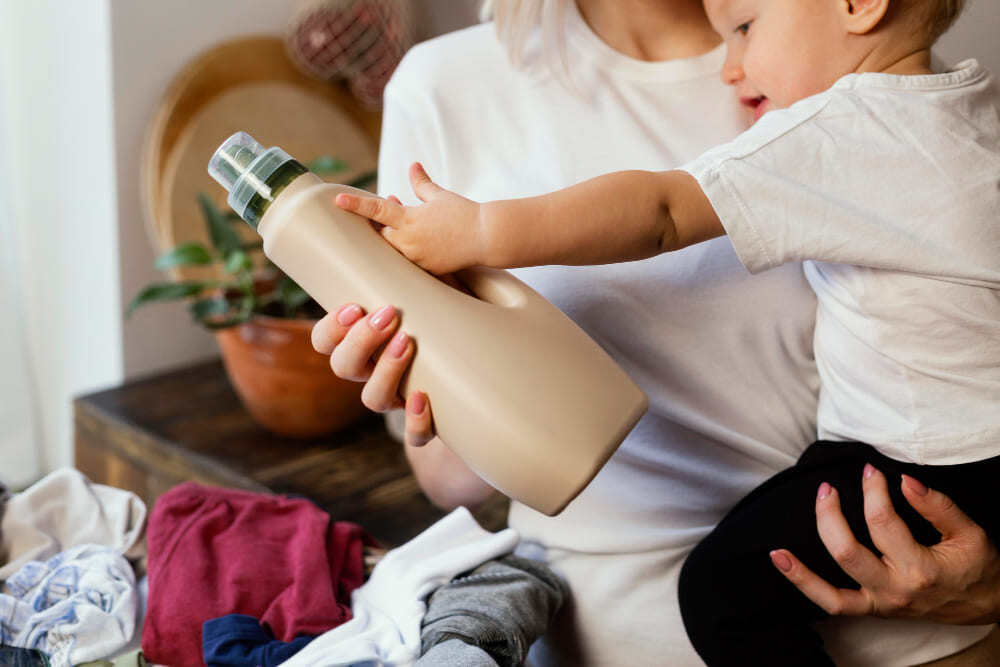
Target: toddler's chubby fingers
[383,211]
[329,331]
[422,185]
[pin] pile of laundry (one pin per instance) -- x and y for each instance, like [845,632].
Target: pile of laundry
[227,577]
[71,554]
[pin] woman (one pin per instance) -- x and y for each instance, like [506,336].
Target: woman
[606,85]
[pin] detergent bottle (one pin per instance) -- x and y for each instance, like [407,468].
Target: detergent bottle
[519,392]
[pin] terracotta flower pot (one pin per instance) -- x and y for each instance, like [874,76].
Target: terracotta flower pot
[287,387]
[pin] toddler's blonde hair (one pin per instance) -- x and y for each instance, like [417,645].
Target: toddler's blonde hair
[931,17]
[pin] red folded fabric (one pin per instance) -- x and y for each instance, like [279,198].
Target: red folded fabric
[215,551]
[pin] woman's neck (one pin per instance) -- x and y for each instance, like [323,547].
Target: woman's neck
[651,30]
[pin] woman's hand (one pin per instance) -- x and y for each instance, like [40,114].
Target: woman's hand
[352,339]
[956,580]
[443,235]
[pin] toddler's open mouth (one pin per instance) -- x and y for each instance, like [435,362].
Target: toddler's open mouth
[758,104]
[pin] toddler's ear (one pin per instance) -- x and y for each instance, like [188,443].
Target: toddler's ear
[861,16]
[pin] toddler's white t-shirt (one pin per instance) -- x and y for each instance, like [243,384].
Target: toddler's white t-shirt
[889,186]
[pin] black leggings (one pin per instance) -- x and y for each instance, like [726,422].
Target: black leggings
[739,610]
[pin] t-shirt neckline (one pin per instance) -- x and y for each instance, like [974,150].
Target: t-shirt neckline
[582,38]
[961,74]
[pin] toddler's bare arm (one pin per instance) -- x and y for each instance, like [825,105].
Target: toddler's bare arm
[617,217]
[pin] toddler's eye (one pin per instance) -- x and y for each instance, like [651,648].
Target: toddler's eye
[743,28]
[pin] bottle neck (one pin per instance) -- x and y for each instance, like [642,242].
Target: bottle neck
[275,183]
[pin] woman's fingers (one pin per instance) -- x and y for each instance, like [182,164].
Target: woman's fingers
[329,331]
[352,357]
[383,211]
[888,531]
[852,556]
[381,392]
[352,341]
[834,601]
[419,426]
[421,183]
[954,581]
[939,509]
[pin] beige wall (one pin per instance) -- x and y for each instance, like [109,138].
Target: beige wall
[150,42]
[976,34]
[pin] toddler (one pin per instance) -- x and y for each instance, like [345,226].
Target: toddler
[884,179]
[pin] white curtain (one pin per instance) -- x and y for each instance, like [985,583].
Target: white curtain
[20,452]
[60,293]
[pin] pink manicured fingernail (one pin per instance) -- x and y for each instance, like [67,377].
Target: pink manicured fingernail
[824,491]
[781,561]
[915,486]
[868,471]
[418,403]
[397,346]
[380,320]
[349,314]
[345,200]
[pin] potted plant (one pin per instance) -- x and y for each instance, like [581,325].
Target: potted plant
[262,321]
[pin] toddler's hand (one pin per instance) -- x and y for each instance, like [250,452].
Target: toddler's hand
[442,235]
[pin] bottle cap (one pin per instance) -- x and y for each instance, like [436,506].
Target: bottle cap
[242,166]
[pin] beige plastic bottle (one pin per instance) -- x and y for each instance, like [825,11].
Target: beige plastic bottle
[518,391]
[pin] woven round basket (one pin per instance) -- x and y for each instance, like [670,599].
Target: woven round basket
[247,84]
[360,41]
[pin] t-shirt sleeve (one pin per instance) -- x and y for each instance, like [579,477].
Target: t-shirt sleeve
[882,179]
[762,187]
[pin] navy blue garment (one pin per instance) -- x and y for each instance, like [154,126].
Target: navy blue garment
[11,656]
[238,640]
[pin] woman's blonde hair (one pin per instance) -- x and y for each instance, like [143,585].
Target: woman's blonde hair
[516,20]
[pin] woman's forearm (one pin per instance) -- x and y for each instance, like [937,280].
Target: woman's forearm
[444,477]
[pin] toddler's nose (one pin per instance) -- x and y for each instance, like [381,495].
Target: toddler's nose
[732,73]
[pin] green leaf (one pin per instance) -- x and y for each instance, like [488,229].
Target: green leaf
[238,261]
[364,180]
[224,237]
[167,292]
[292,296]
[206,308]
[186,254]
[243,313]
[326,164]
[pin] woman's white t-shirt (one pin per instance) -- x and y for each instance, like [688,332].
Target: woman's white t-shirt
[725,357]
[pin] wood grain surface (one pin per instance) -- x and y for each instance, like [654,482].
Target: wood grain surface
[151,434]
